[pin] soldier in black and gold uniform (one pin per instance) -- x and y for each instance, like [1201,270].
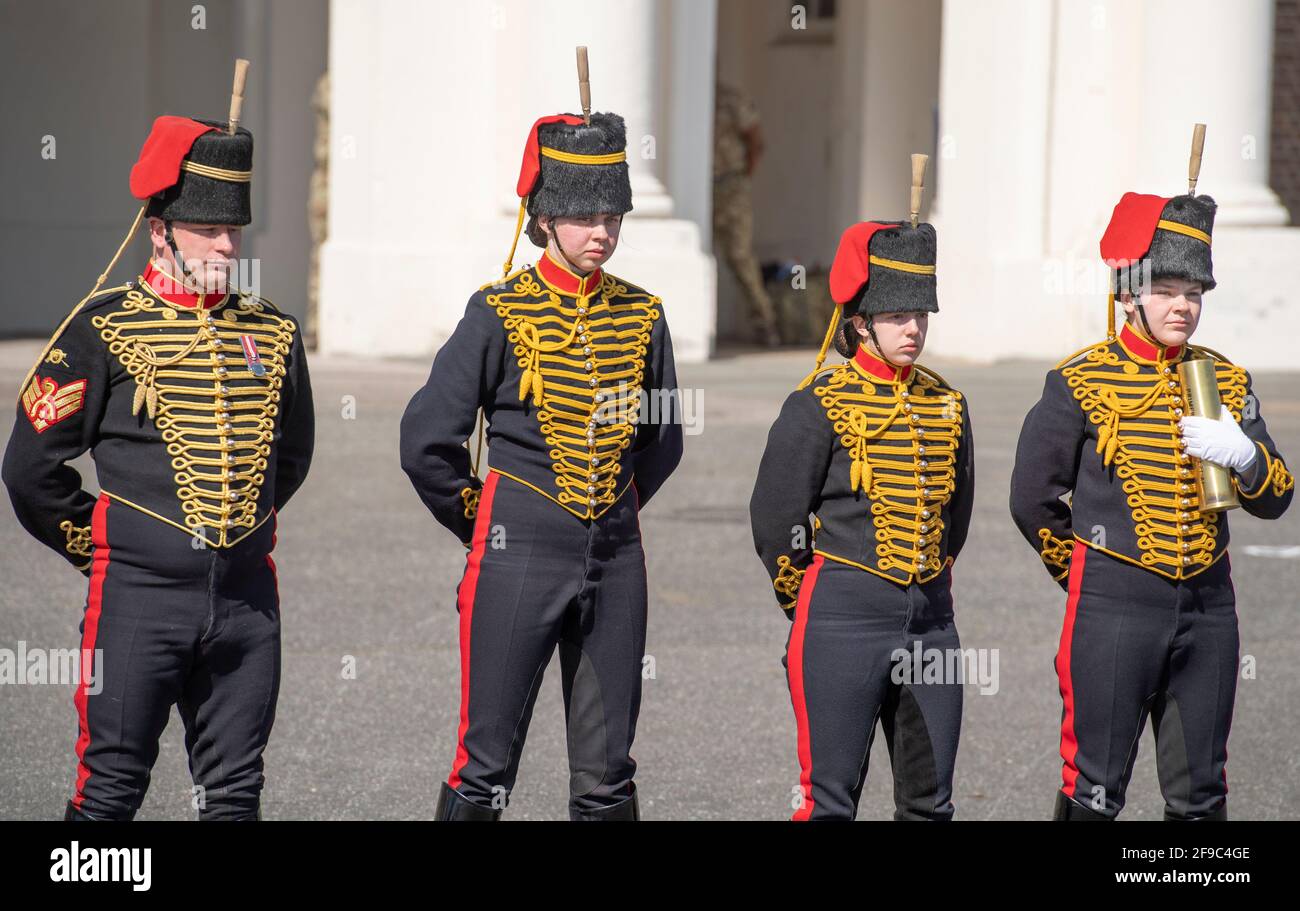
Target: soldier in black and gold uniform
[195,403]
[1150,624]
[573,370]
[879,454]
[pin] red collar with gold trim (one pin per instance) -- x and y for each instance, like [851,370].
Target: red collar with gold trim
[876,367]
[1144,349]
[566,281]
[165,287]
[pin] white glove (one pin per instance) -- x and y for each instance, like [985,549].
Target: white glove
[1222,442]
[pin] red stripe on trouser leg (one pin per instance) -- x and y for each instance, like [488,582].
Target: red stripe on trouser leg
[794,664]
[1069,743]
[94,603]
[1228,558]
[465,604]
[275,576]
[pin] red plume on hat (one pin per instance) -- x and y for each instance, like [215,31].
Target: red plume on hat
[1149,236]
[907,249]
[531,168]
[529,172]
[851,267]
[1132,226]
[159,164]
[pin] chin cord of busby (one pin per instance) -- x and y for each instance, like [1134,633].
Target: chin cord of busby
[187,277]
[559,249]
[1124,282]
[1142,315]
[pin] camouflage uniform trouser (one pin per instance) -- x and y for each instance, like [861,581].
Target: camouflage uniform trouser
[733,237]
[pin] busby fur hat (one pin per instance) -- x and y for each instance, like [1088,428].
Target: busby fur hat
[194,171]
[882,267]
[554,183]
[1152,237]
[564,188]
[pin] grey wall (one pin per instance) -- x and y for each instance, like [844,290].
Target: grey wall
[93,75]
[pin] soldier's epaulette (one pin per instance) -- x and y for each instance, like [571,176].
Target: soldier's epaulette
[497,283]
[104,296]
[818,371]
[631,288]
[1078,354]
[269,308]
[261,302]
[1202,350]
[97,299]
[105,291]
[920,368]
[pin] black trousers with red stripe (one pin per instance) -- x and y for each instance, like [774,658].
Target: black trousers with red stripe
[538,577]
[1135,644]
[170,624]
[845,675]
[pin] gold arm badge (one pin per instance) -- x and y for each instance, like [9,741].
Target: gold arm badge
[46,402]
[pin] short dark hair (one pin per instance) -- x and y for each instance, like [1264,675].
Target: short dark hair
[539,236]
[535,232]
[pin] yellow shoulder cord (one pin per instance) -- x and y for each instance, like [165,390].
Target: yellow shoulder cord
[103,277]
[145,392]
[1065,360]
[934,376]
[519,226]
[1108,431]
[860,475]
[826,343]
[531,379]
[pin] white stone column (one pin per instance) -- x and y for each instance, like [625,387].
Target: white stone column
[991,169]
[1214,67]
[1037,146]
[627,53]
[412,231]
[537,44]
[1209,62]
[430,110]
[634,72]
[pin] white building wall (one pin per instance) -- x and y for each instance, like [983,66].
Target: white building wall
[1049,112]
[431,107]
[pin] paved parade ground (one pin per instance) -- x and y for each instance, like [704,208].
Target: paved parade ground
[370,688]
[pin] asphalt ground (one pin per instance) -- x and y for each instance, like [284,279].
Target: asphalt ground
[367,579]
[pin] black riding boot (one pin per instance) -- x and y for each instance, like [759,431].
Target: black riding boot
[1068,810]
[452,807]
[627,810]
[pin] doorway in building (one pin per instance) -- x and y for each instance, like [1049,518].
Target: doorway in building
[843,93]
